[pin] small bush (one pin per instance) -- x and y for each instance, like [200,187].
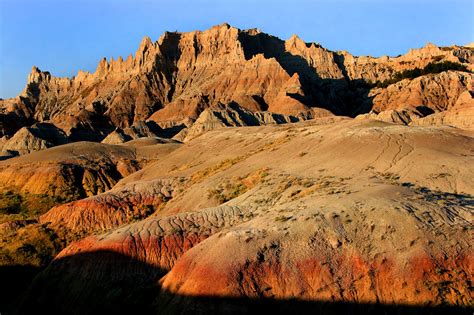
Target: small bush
[282,218]
[25,205]
[432,67]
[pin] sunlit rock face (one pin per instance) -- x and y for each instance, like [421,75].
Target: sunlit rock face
[170,82]
[220,171]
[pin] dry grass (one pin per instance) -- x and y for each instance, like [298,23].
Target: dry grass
[231,189]
[295,187]
[274,144]
[33,244]
[16,206]
[283,218]
[212,170]
[391,177]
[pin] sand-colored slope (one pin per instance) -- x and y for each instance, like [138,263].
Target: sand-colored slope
[353,210]
[81,168]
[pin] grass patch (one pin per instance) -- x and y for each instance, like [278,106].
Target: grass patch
[31,244]
[432,67]
[228,192]
[391,177]
[219,167]
[25,205]
[232,189]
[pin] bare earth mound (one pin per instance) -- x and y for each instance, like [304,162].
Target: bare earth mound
[337,214]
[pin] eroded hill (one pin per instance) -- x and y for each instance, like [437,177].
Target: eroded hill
[168,84]
[218,171]
[332,209]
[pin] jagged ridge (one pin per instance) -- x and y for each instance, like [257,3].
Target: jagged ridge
[171,81]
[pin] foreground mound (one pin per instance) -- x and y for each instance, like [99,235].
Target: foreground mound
[322,215]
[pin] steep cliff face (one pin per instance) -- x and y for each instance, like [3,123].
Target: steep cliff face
[171,81]
[437,92]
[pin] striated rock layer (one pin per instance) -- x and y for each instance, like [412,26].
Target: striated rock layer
[235,116]
[311,214]
[459,114]
[437,92]
[170,82]
[77,170]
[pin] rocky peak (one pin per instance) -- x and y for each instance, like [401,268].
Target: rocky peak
[224,26]
[145,53]
[173,80]
[428,50]
[145,43]
[168,45]
[295,42]
[102,67]
[36,75]
[223,34]
[253,31]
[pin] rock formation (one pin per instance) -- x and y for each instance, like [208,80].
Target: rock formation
[459,114]
[170,82]
[37,137]
[78,169]
[233,115]
[437,92]
[331,209]
[138,130]
[293,209]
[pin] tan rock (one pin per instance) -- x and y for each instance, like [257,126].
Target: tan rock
[438,92]
[359,212]
[171,81]
[233,115]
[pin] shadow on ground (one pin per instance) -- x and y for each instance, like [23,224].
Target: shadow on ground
[110,283]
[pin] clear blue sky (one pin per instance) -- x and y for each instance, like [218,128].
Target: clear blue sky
[66,36]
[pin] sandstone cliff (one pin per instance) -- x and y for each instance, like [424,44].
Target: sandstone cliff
[171,81]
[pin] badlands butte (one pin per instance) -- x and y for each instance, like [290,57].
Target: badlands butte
[229,171]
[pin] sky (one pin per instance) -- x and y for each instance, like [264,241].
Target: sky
[64,36]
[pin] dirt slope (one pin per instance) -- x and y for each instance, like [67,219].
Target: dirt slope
[338,210]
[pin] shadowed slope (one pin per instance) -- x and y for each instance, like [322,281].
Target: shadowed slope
[352,212]
[114,292]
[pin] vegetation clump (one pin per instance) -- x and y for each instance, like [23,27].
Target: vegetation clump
[231,189]
[15,205]
[282,218]
[432,67]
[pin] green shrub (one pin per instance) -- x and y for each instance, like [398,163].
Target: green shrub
[432,67]
[25,205]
